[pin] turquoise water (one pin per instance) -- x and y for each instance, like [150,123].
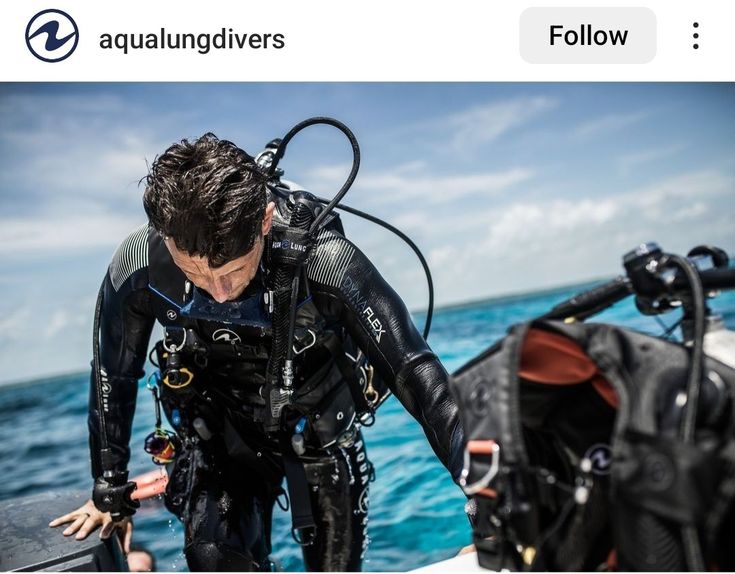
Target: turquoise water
[416,512]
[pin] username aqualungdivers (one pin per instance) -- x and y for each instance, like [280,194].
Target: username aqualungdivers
[226,39]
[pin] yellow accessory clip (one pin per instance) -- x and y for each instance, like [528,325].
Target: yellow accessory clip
[184,383]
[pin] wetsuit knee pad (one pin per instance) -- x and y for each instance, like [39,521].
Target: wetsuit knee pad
[208,556]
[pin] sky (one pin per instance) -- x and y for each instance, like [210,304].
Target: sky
[505,187]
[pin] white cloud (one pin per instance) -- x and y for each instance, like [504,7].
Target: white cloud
[526,244]
[67,150]
[631,161]
[61,321]
[693,211]
[46,336]
[608,123]
[408,182]
[483,123]
[71,167]
[13,323]
[53,234]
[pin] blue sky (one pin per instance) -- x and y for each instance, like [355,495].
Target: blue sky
[505,187]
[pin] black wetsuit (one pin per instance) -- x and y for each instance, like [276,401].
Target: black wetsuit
[225,480]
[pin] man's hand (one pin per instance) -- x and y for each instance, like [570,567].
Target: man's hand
[86,519]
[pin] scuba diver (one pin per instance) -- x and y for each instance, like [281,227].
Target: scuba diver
[280,339]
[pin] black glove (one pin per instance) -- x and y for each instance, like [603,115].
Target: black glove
[113,494]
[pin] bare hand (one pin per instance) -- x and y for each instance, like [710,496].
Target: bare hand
[86,519]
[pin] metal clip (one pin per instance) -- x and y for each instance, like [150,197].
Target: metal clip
[172,348]
[309,346]
[156,376]
[371,394]
[288,374]
[489,447]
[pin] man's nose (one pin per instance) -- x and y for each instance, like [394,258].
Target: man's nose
[220,290]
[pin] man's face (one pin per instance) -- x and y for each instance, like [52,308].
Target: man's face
[227,282]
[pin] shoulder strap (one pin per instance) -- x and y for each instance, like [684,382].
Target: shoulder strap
[349,371]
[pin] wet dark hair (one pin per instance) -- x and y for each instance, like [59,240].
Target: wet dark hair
[208,196]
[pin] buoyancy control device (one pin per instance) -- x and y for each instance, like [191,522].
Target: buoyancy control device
[593,447]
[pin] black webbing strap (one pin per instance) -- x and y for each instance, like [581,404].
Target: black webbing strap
[349,372]
[302,517]
[290,246]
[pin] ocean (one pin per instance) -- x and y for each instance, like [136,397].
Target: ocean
[416,512]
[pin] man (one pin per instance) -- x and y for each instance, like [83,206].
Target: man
[204,267]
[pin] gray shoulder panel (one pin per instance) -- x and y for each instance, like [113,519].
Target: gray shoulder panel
[129,257]
[332,255]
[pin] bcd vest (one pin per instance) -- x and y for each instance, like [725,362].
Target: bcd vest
[573,457]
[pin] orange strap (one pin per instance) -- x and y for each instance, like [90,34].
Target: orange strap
[488,492]
[481,446]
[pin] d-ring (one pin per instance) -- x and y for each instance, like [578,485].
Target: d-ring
[173,348]
[479,447]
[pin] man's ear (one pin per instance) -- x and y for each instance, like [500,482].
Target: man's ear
[268,218]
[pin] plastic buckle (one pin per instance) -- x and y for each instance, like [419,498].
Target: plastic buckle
[485,447]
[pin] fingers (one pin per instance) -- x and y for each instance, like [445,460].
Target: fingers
[87,509]
[76,525]
[107,529]
[84,520]
[64,519]
[125,532]
[90,525]
[127,536]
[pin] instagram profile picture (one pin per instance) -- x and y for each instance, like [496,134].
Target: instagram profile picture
[52,35]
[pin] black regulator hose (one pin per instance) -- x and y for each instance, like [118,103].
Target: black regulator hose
[355,160]
[335,201]
[690,537]
[411,244]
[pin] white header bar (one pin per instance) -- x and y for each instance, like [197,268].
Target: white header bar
[380,40]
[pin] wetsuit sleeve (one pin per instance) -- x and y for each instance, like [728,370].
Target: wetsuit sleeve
[126,322]
[346,284]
